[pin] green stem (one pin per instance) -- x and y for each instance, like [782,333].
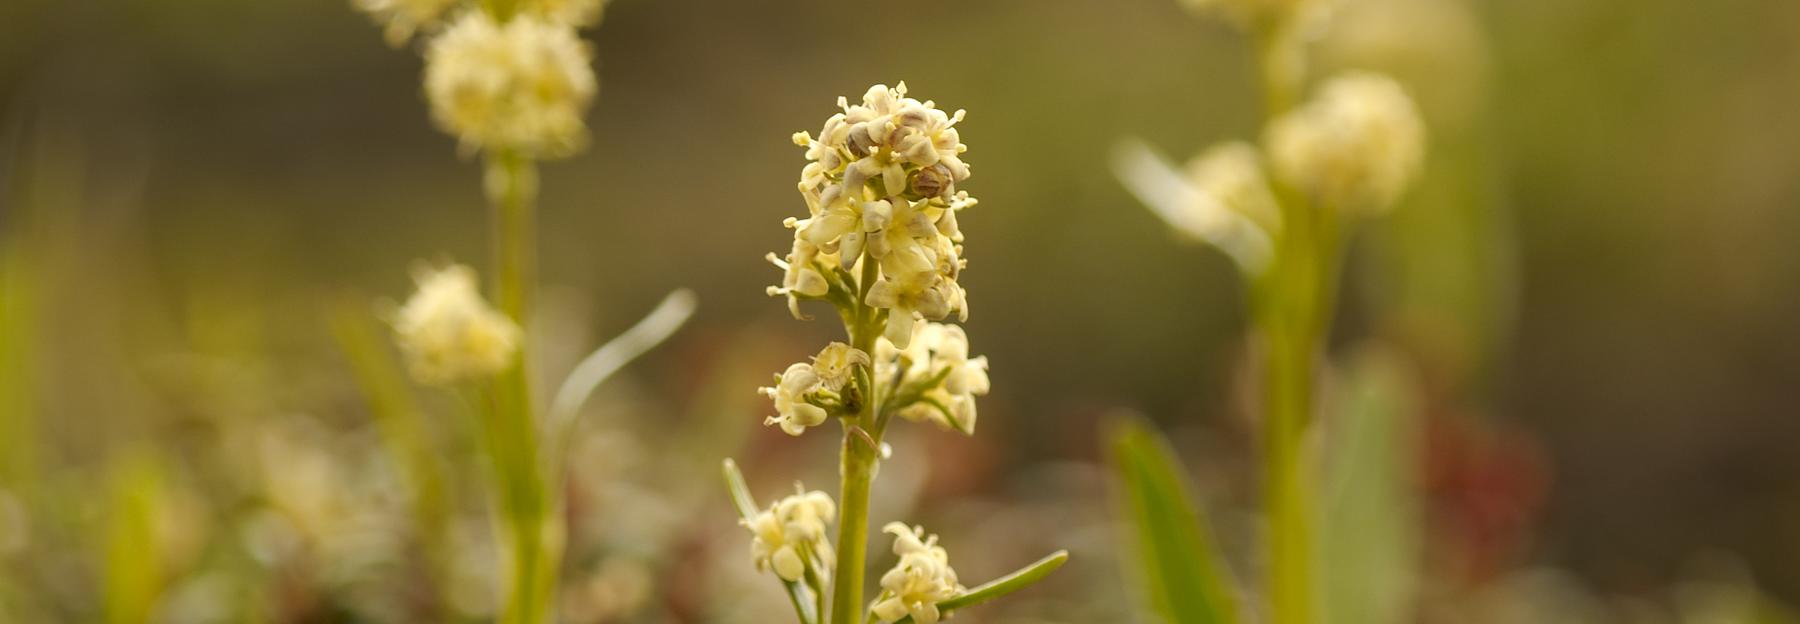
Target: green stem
[530,521]
[1288,401]
[1293,309]
[858,472]
[1280,65]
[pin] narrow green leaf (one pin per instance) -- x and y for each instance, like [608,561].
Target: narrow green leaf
[746,506]
[1175,557]
[132,567]
[1369,551]
[1019,579]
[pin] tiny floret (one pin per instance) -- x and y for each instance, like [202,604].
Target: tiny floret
[835,364]
[448,333]
[804,391]
[790,537]
[922,579]
[524,85]
[880,187]
[937,366]
[1354,147]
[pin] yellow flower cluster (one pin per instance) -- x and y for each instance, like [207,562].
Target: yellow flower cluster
[1354,147]
[523,85]
[938,366]
[790,536]
[880,187]
[448,333]
[797,388]
[518,80]
[921,579]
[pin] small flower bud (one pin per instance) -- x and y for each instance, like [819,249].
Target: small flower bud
[933,181]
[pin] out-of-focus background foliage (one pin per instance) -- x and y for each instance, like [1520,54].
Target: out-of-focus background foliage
[1596,287]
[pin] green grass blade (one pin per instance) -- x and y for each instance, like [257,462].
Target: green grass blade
[401,425]
[132,565]
[1175,557]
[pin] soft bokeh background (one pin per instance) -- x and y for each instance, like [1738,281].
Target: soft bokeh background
[1598,282]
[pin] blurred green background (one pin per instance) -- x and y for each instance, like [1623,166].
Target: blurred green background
[1602,261]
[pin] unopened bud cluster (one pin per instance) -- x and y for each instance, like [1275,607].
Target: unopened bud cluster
[880,188]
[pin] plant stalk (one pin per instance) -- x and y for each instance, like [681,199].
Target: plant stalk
[858,470]
[529,522]
[1292,308]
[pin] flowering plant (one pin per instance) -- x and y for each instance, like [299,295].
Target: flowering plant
[881,244]
[1282,213]
[512,80]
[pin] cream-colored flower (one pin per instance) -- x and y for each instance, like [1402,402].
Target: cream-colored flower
[791,535]
[922,579]
[802,273]
[449,333]
[939,355]
[791,387]
[824,378]
[836,364]
[523,85]
[402,18]
[1354,147]
[880,183]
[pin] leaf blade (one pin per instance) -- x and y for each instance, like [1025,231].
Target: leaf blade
[1179,564]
